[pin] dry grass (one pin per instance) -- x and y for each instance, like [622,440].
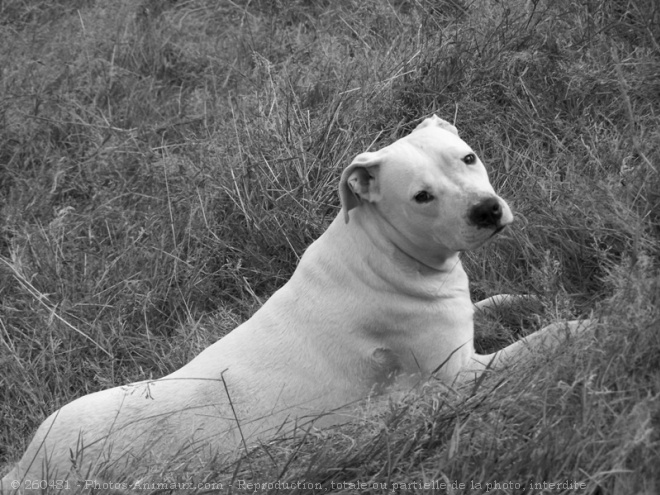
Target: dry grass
[164,164]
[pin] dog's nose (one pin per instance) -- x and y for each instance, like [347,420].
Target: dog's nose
[486,214]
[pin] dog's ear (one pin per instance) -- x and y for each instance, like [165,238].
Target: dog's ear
[359,181]
[434,120]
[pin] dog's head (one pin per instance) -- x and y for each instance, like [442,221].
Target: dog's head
[431,188]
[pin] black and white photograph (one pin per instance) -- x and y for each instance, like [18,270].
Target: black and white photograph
[330,246]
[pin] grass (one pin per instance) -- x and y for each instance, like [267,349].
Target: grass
[163,165]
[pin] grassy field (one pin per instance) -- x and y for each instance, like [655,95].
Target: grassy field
[163,165]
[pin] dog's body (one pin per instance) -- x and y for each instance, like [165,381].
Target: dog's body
[379,300]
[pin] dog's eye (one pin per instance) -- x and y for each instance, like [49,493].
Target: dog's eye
[469,159]
[423,197]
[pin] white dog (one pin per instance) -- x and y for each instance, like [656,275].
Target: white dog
[380,300]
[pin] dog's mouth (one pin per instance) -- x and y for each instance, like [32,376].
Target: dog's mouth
[497,231]
[479,240]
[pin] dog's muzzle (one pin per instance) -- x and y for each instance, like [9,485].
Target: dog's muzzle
[487,214]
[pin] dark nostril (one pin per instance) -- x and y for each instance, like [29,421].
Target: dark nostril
[486,214]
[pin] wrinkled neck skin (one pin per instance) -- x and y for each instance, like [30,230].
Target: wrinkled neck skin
[367,221]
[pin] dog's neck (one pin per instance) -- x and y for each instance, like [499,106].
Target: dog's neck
[381,264]
[368,222]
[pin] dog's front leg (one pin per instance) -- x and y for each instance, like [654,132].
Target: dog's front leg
[542,341]
[503,300]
